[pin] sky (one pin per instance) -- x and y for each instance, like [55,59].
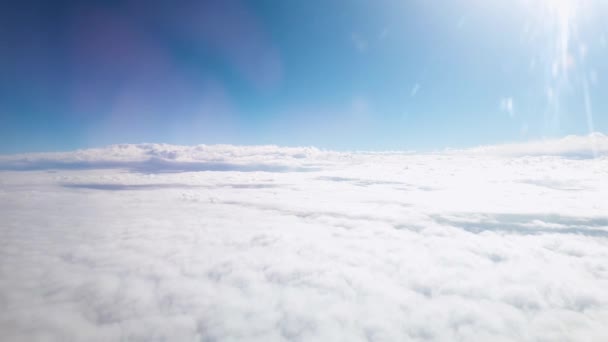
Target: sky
[344,75]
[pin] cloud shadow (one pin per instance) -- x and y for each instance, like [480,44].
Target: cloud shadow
[526,224]
[123,187]
[358,181]
[148,166]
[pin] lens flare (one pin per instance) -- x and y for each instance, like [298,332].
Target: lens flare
[563,13]
[564,55]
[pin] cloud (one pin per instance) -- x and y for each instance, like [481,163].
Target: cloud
[155,158]
[491,245]
[163,158]
[590,146]
[506,105]
[415,90]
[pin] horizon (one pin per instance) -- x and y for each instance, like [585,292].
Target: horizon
[589,144]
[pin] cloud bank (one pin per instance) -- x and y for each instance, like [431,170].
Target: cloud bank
[490,244]
[590,146]
[153,158]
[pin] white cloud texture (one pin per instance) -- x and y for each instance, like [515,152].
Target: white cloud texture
[226,243]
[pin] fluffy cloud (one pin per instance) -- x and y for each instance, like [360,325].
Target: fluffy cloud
[474,246]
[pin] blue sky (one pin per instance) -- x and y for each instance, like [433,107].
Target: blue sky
[343,74]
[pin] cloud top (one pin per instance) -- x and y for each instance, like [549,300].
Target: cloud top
[455,246]
[590,146]
[172,158]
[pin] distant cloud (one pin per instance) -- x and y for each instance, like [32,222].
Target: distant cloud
[163,158]
[506,105]
[590,146]
[415,90]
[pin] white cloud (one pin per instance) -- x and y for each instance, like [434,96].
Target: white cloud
[506,105]
[170,158]
[468,245]
[590,146]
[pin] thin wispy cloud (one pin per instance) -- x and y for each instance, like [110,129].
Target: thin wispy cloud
[415,90]
[506,105]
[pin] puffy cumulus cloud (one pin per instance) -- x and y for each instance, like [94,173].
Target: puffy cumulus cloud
[362,247]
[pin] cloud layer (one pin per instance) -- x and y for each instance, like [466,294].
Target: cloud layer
[453,246]
[591,146]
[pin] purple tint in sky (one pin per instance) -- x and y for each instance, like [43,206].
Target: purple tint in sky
[129,64]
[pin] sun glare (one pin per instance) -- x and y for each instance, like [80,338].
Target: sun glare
[564,7]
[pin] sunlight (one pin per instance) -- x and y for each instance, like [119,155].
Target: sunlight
[562,7]
[562,13]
